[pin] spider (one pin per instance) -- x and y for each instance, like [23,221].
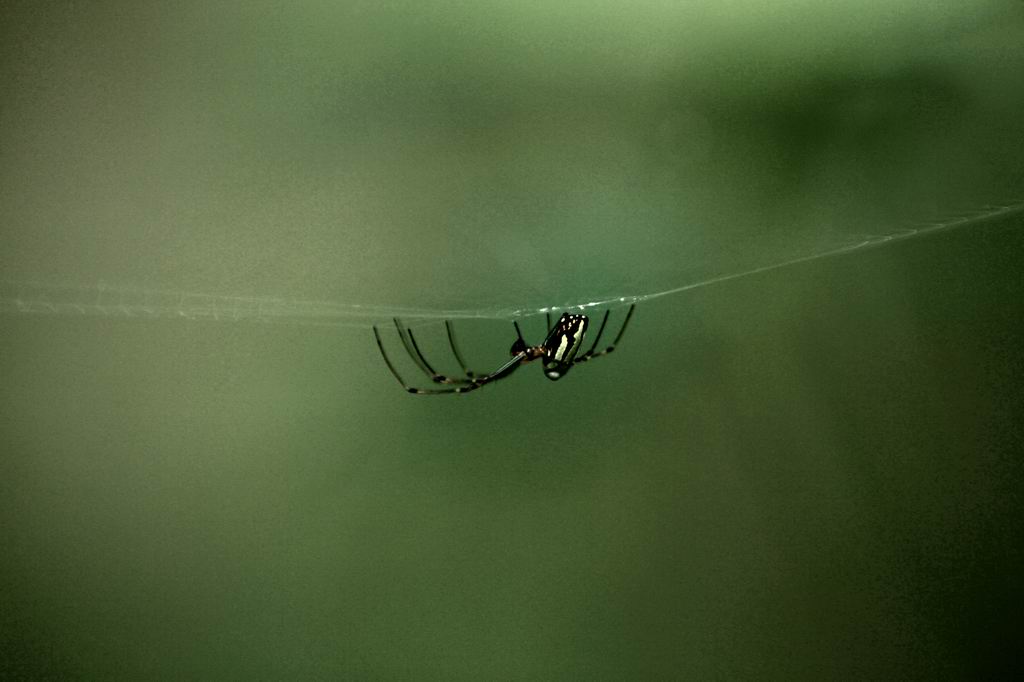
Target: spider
[559,353]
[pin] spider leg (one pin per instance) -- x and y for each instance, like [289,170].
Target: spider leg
[413,349]
[597,339]
[412,389]
[408,348]
[434,375]
[622,329]
[499,373]
[455,350]
[618,337]
[519,332]
[387,361]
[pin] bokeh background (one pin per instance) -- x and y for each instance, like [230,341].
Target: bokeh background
[809,473]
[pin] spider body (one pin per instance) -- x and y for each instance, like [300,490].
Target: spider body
[563,344]
[559,353]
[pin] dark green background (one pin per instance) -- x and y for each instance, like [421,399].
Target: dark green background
[810,473]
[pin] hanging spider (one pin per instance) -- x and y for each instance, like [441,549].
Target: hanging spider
[559,353]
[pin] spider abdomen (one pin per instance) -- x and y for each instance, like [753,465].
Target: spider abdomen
[562,345]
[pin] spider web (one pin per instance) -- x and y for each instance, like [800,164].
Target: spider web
[447,167]
[107,300]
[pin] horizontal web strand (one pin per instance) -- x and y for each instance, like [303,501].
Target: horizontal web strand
[104,300]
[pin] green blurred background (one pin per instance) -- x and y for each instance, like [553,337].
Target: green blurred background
[811,473]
